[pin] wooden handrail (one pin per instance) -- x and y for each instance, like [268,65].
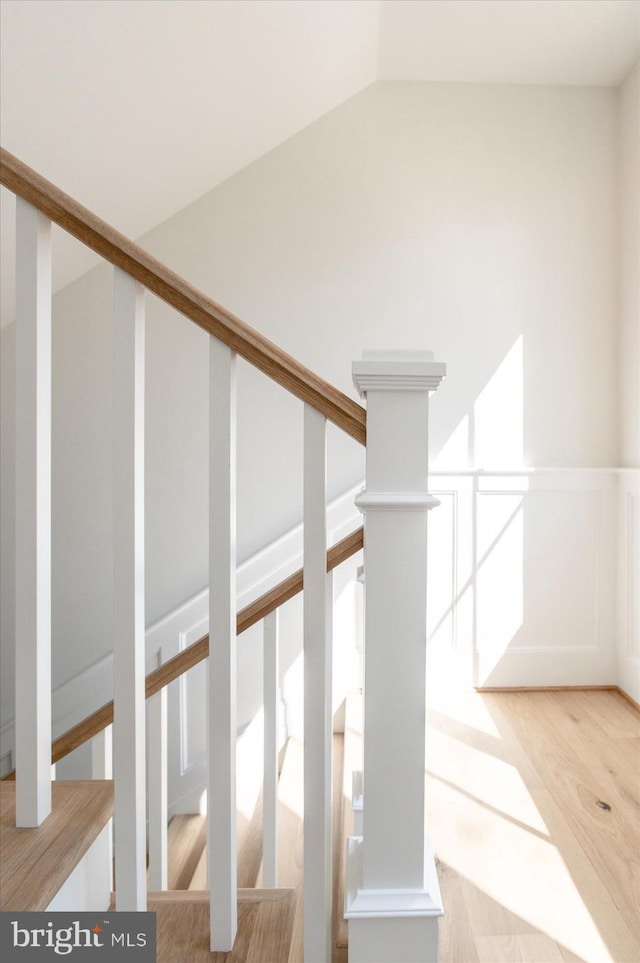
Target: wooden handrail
[185,660]
[184,297]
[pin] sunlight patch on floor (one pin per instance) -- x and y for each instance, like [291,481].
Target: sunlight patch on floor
[464,706]
[490,780]
[488,829]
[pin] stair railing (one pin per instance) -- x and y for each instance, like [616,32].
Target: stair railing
[38,204]
[97,727]
[257,611]
[392,877]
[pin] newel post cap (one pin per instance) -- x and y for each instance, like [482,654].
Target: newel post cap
[400,370]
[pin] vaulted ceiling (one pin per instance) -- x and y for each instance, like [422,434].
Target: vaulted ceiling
[138,108]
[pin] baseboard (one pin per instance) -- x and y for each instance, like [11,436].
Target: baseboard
[628,698]
[561,688]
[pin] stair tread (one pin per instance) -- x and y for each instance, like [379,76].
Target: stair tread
[265,926]
[36,862]
[186,840]
[187,850]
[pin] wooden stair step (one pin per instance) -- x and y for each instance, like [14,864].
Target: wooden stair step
[265,927]
[36,862]
[249,841]
[188,863]
[249,815]
[290,843]
[186,840]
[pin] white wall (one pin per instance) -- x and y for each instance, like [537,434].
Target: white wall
[477,221]
[629,347]
[629,267]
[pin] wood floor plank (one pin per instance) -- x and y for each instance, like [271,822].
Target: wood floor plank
[525,948]
[601,925]
[489,917]
[609,928]
[617,717]
[506,800]
[456,940]
[600,735]
[577,774]
[623,764]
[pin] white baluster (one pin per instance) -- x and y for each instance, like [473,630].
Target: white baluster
[102,754]
[394,905]
[158,789]
[222,648]
[357,801]
[33,515]
[317,696]
[128,590]
[271,701]
[102,768]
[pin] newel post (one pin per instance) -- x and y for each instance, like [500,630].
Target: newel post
[393,899]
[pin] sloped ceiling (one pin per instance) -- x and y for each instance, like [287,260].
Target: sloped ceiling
[138,108]
[574,42]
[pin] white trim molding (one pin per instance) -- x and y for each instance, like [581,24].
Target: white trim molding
[628,650]
[397,371]
[397,925]
[525,591]
[368,501]
[389,903]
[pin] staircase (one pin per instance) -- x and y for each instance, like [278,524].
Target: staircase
[282,906]
[277,908]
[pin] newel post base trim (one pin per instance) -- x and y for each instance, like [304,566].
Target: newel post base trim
[394,925]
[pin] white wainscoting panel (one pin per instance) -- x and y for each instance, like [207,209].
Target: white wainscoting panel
[534,599]
[629,582]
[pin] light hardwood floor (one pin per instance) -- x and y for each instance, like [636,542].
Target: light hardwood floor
[533,808]
[534,812]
